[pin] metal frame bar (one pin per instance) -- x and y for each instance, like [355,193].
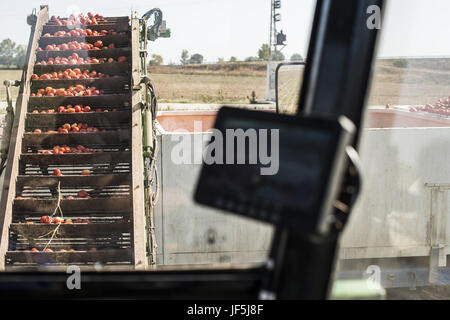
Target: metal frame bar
[139,221]
[15,147]
[336,79]
[177,283]
[340,58]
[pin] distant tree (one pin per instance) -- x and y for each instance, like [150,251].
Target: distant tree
[220,60]
[7,52]
[233,59]
[296,57]
[184,56]
[196,59]
[277,56]
[264,52]
[252,59]
[400,63]
[20,56]
[156,60]
[252,98]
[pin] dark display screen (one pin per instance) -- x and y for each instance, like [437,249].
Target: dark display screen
[287,183]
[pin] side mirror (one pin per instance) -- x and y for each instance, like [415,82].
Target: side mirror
[288,81]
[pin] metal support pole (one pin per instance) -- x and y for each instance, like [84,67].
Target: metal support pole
[336,79]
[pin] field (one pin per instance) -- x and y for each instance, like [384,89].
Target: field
[410,81]
[399,81]
[235,68]
[208,88]
[395,82]
[210,83]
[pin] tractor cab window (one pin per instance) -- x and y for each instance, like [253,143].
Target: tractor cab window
[103,136]
[100,176]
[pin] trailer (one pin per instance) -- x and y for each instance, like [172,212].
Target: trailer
[402,228]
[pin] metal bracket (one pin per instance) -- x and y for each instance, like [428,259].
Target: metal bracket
[438,227]
[32,18]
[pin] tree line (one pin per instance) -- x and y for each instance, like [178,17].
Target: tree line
[263,54]
[12,55]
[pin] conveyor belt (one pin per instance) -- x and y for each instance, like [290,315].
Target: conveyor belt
[100,182]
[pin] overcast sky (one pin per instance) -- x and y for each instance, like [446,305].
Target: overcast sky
[219,28]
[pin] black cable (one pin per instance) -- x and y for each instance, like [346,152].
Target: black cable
[153,100]
[158,18]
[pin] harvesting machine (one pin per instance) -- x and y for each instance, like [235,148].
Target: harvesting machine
[78,145]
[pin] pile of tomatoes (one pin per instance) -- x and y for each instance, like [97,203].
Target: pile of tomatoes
[441,107]
[78,32]
[75,45]
[81,19]
[73,109]
[74,128]
[75,59]
[70,74]
[68,109]
[73,91]
[59,220]
[62,250]
[66,149]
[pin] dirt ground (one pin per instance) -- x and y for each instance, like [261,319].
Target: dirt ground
[208,88]
[413,81]
[426,293]
[395,82]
